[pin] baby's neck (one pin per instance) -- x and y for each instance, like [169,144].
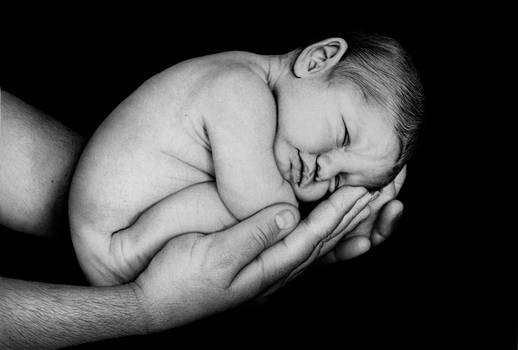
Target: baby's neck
[269,67]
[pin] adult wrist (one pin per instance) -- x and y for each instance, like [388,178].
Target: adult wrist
[143,316]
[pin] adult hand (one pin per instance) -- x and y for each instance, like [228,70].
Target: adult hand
[195,275]
[372,226]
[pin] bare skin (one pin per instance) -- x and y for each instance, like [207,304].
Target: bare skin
[37,159]
[147,174]
[42,315]
[197,140]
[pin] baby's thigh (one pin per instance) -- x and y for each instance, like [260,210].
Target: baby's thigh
[197,208]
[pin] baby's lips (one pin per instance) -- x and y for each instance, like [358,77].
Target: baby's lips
[295,170]
[307,178]
[295,175]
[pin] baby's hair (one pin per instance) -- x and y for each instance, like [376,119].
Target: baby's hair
[385,75]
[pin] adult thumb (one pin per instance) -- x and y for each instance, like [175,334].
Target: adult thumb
[246,240]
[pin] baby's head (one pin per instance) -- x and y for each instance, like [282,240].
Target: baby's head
[348,114]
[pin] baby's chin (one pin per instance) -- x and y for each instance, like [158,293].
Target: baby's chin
[310,193]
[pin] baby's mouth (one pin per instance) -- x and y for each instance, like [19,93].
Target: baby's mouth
[301,176]
[297,170]
[305,176]
[300,170]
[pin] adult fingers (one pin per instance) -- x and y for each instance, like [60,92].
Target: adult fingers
[283,257]
[400,179]
[384,213]
[363,226]
[390,210]
[237,246]
[348,237]
[358,242]
[346,249]
[359,212]
[355,237]
[339,209]
[387,221]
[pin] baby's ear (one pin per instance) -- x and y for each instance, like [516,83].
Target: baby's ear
[319,58]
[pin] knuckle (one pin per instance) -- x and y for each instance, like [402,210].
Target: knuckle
[261,236]
[264,235]
[262,278]
[212,258]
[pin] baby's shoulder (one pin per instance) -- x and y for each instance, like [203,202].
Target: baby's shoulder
[240,103]
[236,86]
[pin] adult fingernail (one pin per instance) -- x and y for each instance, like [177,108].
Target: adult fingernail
[284,219]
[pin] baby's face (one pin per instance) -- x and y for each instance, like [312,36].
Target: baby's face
[329,137]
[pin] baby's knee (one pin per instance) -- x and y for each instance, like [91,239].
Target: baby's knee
[100,256]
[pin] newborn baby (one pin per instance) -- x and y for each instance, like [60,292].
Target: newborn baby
[212,140]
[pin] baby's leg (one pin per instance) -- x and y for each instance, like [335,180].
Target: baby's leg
[127,252]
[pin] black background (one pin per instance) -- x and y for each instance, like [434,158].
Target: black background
[414,290]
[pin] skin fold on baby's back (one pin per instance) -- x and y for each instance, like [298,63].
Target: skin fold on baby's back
[152,145]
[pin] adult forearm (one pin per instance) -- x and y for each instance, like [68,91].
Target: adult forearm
[40,315]
[37,158]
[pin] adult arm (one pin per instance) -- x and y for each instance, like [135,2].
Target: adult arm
[211,273]
[193,276]
[41,315]
[37,157]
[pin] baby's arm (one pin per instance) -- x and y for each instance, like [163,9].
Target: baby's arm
[241,131]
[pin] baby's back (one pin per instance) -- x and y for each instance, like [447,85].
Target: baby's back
[149,172]
[152,145]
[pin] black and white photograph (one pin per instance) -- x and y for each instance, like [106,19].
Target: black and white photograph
[290,181]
